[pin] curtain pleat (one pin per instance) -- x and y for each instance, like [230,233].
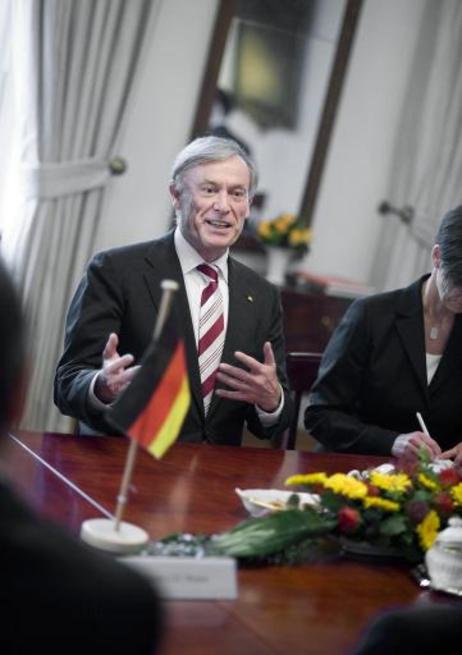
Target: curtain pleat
[427,166]
[77,63]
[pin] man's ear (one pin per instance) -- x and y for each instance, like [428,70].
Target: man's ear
[249,202]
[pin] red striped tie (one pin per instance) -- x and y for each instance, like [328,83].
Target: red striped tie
[211,333]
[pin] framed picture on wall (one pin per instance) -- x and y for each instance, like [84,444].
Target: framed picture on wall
[267,73]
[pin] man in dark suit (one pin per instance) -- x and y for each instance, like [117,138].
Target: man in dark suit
[395,354]
[115,308]
[423,629]
[56,594]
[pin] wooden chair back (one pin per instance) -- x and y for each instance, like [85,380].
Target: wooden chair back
[302,370]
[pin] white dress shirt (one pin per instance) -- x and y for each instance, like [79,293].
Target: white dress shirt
[432,364]
[195,282]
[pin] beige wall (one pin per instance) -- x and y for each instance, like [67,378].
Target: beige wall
[346,224]
[137,205]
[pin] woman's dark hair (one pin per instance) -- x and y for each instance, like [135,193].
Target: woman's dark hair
[11,343]
[449,239]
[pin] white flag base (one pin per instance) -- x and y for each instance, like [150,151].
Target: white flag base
[101,533]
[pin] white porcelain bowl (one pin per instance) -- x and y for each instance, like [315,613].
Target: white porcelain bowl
[261,501]
[444,558]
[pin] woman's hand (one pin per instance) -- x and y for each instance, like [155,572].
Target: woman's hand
[412,442]
[454,453]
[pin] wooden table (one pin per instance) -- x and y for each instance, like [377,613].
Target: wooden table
[317,608]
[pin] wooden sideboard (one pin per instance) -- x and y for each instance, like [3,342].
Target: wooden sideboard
[310,318]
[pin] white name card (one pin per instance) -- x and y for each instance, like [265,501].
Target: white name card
[184,578]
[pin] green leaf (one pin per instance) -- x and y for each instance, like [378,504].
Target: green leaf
[393,525]
[332,501]
[268,535]
[424,456]
[423,495]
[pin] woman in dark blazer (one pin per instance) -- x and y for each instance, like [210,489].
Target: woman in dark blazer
[393,355]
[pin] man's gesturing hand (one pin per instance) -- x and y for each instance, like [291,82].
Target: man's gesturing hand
[258,385]
[115,373]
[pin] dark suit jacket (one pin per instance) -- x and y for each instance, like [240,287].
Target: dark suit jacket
[59,596]
[372,379]
[424,630]
[121,293]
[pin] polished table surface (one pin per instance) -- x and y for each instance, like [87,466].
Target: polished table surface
[320,607]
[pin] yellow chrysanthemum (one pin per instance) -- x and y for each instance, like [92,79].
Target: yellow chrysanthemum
[307,478]
[264,229]
[381,503]
[346,486]
[398,483]
[456,493]
[427,482]
[428,529]
[296,237]
[286,219]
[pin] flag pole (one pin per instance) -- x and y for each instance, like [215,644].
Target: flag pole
[169,287]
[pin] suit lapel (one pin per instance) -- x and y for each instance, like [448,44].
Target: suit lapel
[162,263]
[236,312]
[409,323]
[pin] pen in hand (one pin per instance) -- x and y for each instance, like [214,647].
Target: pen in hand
[432,445]
[422,424]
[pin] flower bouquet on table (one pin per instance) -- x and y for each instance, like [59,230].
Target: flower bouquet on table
[285,231]
[399,512]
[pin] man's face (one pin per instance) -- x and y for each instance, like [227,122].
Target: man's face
[213,205]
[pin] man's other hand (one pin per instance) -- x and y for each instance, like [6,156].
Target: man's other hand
[258,384]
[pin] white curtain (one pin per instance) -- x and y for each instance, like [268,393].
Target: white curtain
[75,65]
[6,104]
[427,167]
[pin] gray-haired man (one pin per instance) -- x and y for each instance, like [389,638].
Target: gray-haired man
[111,317]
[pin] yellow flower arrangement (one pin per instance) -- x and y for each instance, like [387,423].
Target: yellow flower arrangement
[399,512]
[285,231]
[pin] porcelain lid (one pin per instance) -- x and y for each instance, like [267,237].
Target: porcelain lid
[452,535]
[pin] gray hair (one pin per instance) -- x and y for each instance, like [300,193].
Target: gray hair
[208,149]
[449,239]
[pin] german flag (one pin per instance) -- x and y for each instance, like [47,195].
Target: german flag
[153,407]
